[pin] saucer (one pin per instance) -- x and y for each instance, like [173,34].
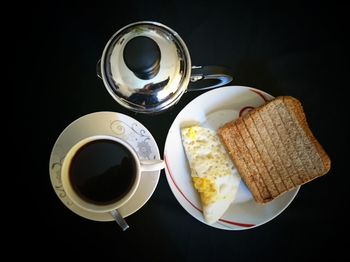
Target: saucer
[113,124]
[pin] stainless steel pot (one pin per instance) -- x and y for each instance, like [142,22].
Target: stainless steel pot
[146,67]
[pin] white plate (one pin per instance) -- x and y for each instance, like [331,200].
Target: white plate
[114,124]
[212,109]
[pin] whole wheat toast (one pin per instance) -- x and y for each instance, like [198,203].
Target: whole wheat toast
[274,149]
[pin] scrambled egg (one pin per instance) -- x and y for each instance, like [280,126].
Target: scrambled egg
[211,171]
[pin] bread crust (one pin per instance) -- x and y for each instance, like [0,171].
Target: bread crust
[274,149]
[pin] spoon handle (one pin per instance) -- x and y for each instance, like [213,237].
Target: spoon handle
[119,219]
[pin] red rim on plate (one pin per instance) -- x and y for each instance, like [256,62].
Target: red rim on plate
[239,100]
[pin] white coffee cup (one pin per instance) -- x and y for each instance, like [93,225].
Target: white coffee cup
[75,166]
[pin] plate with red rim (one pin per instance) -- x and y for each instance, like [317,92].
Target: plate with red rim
[212,109]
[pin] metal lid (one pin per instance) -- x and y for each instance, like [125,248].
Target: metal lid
[146,67]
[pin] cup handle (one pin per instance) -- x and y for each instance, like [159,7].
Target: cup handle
[208,77]
[151,165]
[119,219]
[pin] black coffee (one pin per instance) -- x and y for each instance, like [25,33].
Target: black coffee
[102,171]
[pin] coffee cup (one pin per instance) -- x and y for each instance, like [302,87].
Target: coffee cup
[101,173]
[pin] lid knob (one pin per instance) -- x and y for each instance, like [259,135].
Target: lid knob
[142,56]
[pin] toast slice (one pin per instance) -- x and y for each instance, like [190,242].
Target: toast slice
[274,149]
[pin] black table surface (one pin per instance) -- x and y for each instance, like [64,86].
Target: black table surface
[285,49]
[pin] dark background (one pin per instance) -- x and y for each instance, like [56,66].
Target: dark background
[285,49]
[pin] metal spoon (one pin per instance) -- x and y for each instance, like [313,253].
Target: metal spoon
[119,219]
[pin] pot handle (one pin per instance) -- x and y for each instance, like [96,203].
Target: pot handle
[207,77]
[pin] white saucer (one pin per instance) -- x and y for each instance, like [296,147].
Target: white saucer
[106,123]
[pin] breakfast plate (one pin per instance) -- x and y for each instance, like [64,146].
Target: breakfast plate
[113,124]
[212,109]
